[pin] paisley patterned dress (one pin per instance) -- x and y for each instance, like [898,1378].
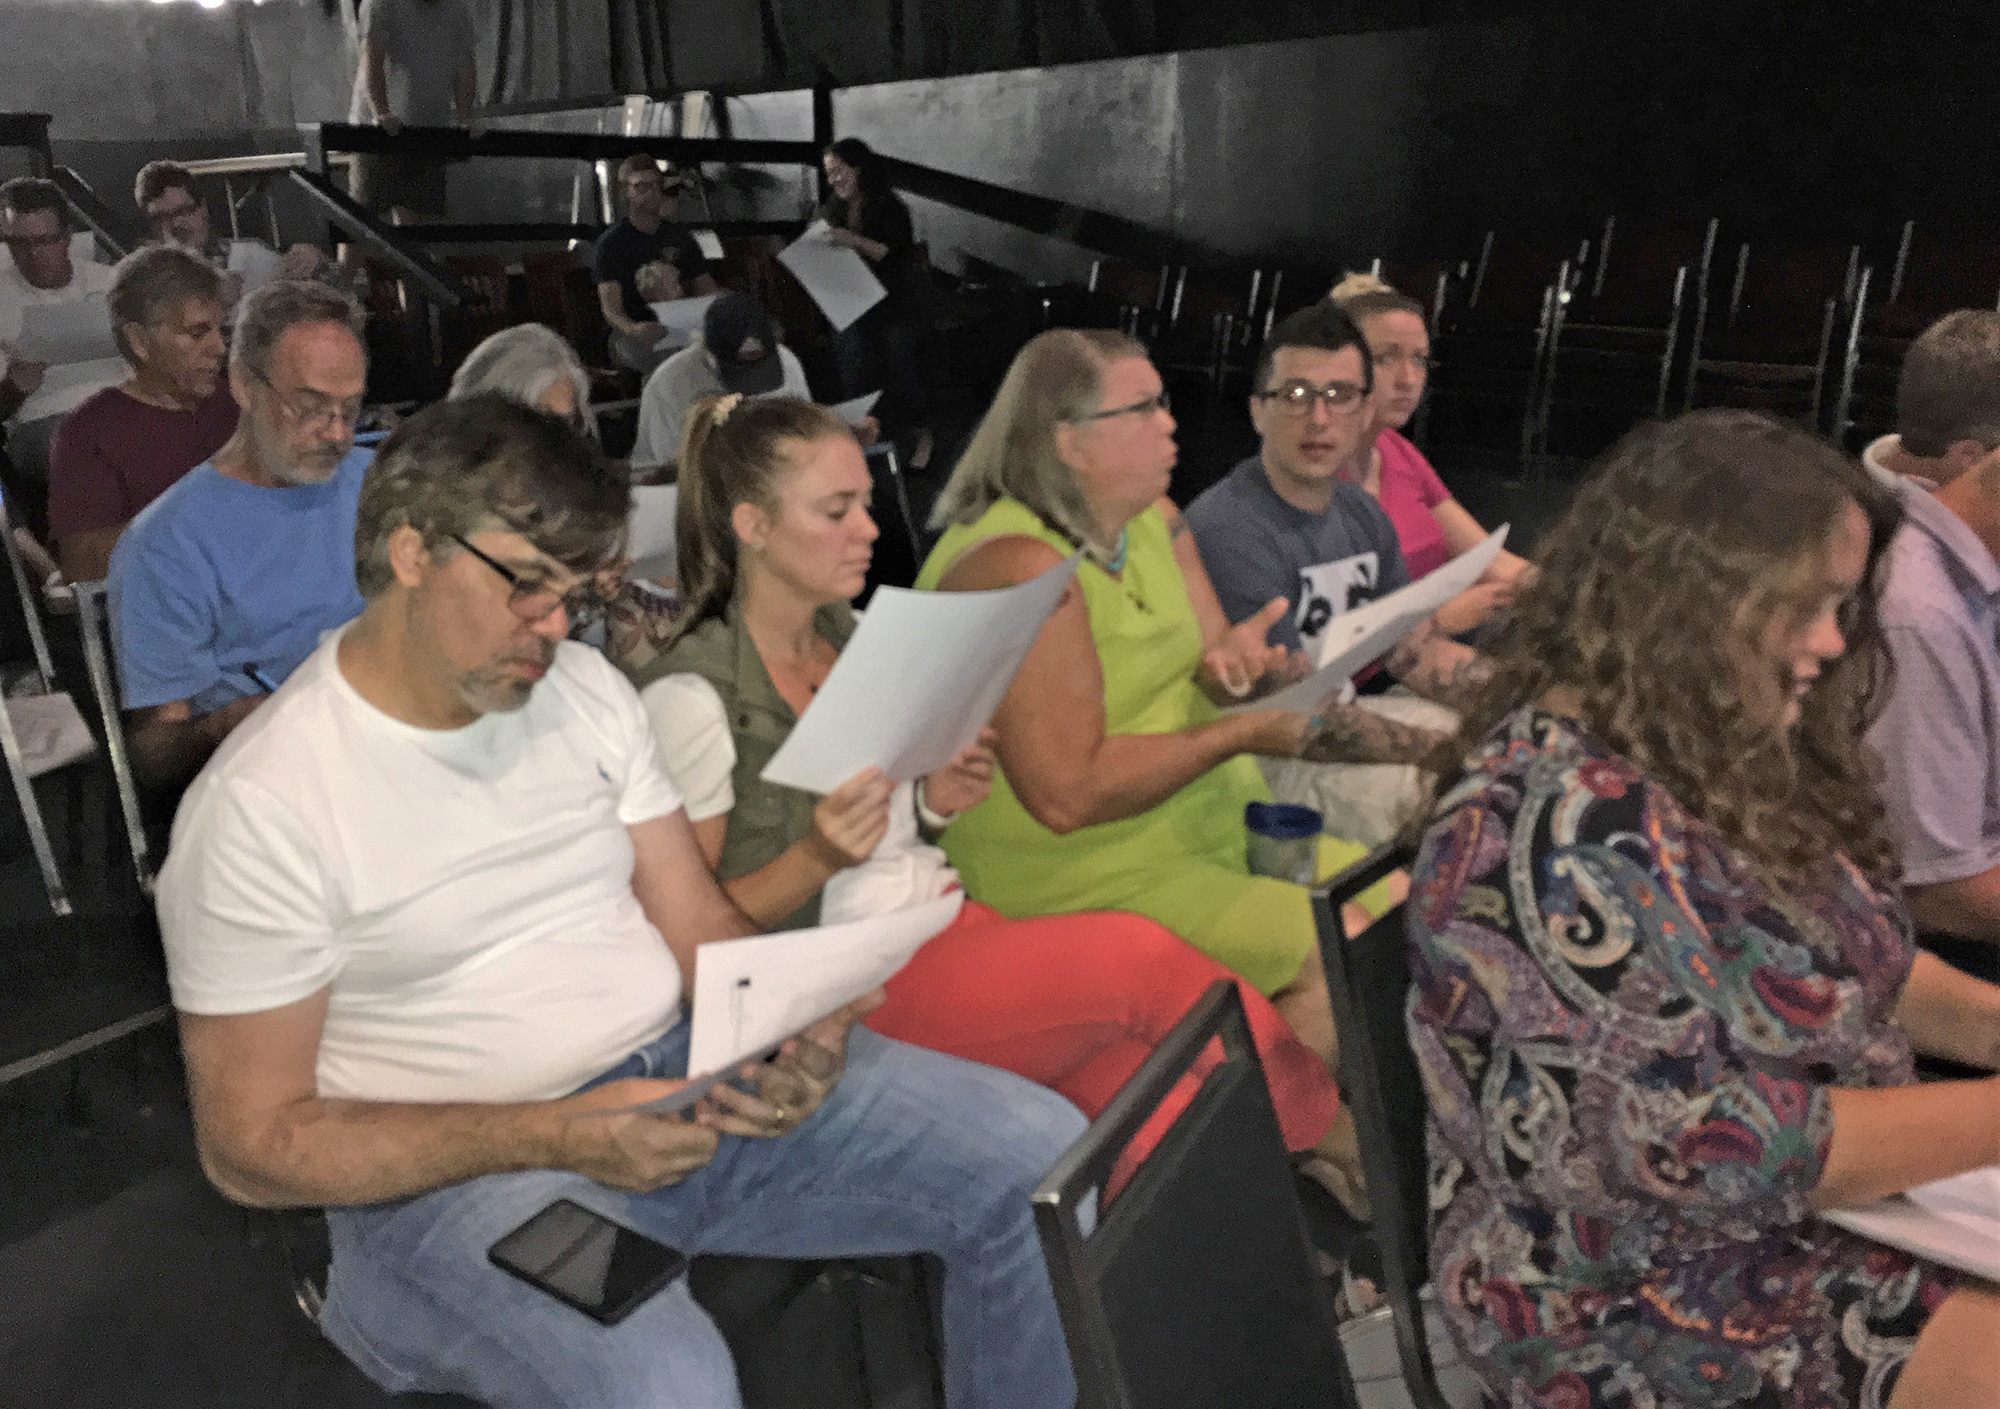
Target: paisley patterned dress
[1627,1041]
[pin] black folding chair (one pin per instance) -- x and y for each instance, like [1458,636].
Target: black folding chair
[1369,980]
[1196,1287]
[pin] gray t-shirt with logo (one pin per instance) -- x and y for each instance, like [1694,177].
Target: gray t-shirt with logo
[1256,546]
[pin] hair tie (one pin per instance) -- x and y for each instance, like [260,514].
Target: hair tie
[726,405]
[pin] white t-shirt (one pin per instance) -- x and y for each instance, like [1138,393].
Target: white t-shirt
[466,893]
[16,294]
[695,745]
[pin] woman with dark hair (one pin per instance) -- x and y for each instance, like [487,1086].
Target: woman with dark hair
[1432,528]
[879,350]
[1665,994]
[775,540]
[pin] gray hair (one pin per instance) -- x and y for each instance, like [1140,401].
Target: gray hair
[149,282]
[485,461]
[1950,386]
[522,363]
[1056,378]
[284,304]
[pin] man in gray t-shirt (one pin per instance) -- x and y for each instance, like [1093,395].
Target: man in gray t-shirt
[1286,523]
[416,70]
[1257,545]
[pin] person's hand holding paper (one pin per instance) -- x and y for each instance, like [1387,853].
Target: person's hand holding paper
[1354,639]
[921,677]
[753,996]
[838,280]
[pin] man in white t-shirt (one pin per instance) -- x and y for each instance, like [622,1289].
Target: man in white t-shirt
[35,221]
[429,916]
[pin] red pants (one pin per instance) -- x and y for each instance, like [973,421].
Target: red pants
[1077,1002]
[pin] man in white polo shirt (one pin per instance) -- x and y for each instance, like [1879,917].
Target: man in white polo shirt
[1941,617]
[429,915]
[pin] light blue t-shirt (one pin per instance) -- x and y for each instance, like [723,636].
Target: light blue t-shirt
[217,579]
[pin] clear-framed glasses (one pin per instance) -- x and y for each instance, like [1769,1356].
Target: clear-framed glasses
[319,410]
[1421,361]
[1147,407]
[1297,396]
[532,598]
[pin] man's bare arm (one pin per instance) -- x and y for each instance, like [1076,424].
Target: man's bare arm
[611,301]
[1968,908]
[86,556]
[678,891]
[375,81]
[268,1139]
[170,742]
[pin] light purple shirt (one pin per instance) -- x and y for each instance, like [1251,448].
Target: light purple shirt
[1940,736]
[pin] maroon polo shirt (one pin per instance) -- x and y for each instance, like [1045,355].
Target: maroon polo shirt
[114,455]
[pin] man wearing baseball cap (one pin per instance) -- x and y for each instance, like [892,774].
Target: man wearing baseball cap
[738,351]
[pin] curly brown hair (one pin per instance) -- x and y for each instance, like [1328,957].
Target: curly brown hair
[1692,537]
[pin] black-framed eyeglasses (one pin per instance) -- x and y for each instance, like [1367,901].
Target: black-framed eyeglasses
[530,598]
[1297,396]
[1162,402]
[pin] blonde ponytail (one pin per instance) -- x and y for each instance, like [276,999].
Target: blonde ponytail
[731,452]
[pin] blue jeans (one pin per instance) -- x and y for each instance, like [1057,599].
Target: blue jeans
[913,1152]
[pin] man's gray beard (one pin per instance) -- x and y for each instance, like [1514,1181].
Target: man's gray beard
[487,691]
[302,473]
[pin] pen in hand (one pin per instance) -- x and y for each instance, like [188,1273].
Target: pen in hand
[260,679]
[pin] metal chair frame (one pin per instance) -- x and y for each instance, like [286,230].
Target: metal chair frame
[1399,1227]
[95,618]
[10,743]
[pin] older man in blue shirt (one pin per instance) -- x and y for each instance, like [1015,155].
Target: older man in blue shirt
[226,582]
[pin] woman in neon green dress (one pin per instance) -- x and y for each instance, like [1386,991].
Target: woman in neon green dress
[1122,784]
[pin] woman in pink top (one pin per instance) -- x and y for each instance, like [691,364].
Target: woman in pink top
[1431,526]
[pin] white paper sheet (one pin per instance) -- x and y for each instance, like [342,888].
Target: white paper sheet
[256,261]
[853,412]
[67,387]
[709,243]
[59,333]
[918,681]
[838,279]
[1954,1221]
[750,995]
[1353,639]
[681,318]
[650,530]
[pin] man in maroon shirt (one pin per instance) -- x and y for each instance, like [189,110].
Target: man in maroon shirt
[123,447]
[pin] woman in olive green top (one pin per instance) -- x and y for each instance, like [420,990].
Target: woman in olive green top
[1121,784]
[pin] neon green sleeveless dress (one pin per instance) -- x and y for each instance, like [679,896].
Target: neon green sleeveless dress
[1182,863]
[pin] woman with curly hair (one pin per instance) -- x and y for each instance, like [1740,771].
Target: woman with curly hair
[1665,993]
